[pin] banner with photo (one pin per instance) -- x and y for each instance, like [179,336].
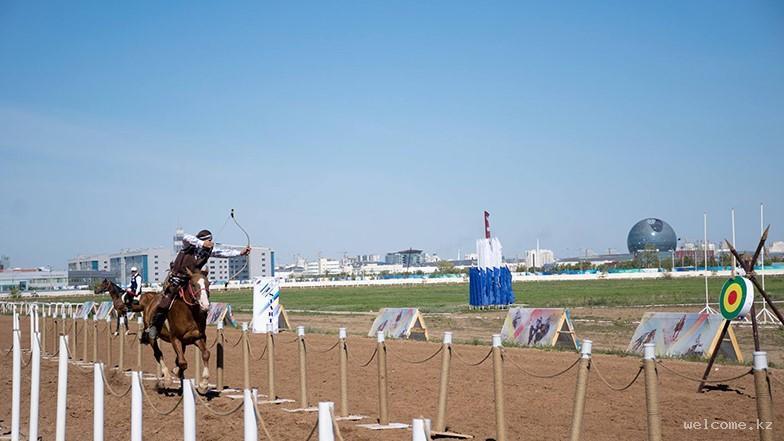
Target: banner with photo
[678,334]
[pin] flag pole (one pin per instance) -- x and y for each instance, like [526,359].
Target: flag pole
[707,307]
[764,316]
[734,261]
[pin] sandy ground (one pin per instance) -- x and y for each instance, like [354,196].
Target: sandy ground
[535,408]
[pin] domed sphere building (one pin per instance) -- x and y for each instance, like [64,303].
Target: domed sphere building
[651,234]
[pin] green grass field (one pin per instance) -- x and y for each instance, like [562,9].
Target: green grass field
[447,298]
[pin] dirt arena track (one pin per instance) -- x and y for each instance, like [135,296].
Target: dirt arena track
[535,408]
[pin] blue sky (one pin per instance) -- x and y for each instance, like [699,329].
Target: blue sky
[366,127]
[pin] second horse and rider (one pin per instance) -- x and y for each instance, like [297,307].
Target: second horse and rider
[183,302]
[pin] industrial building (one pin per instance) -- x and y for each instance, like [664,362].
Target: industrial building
[154,264]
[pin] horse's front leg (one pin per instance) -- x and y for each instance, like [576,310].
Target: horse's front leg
[156,350]
[205,358]
[182,365]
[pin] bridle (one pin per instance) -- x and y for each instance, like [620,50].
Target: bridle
[188,296]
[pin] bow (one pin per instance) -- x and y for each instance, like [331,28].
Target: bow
[247,237]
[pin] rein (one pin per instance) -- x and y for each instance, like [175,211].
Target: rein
[185,298]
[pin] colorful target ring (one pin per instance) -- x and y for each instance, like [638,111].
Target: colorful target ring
[737,296]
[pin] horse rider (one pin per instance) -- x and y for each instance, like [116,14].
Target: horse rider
[195,252]
[134,288]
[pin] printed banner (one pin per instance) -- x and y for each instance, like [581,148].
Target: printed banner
[680,334]
[103,310]
[83,311]
[266,304]
[398,323]
[533,326]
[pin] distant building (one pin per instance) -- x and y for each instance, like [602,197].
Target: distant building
[32,279]
[651,234]
[324,267]
[153,263]
[410,257]
[259,263]
[5,263]
[368,258]
[537,258]
[696,251]
[776,247]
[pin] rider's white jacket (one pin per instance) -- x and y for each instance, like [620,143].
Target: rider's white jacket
[216,251]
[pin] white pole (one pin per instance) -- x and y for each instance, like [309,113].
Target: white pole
[62,388]
[734,261]
[325,430]
[251,431]
[35,387]
[707,307]
[15,321]
[16,388]
[188,411]
[136,407]
[705,252]
[762,254]
[32,325]
[97,402]
[418,430]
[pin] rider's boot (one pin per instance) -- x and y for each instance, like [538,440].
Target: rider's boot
[156,325]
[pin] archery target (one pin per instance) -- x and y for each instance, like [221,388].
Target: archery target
[737,296]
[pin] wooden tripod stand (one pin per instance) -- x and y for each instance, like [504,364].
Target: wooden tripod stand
[748,266]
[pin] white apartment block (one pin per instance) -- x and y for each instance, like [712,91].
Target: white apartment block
[537,258]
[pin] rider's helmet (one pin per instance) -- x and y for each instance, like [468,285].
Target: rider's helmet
[134,269]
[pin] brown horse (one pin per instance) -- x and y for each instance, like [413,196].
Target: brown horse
[185,325]
[120,308]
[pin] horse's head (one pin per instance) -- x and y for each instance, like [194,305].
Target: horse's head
[104,286]
[200,283]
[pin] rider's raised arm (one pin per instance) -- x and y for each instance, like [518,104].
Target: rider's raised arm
[225,252]
[193,240]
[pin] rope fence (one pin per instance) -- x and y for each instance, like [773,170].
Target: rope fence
[111,390]
[253,357]
[424,360]
[324,351]
[470,363]
[700,380]
[506,357]
[596,369]
[218,413]
[155,408]
[370,360]
[585,365]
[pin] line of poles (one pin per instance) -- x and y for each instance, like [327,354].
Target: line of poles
[760,374]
